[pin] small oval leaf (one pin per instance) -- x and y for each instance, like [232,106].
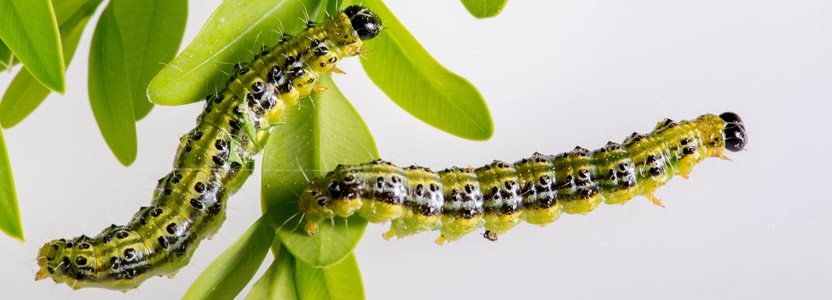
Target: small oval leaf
[25,93]
[151,32]
[406,72]
[317,137]
[69,14]
[341,281]
[30,30]
[7,59]
[109,89]
[481,9]
[278,282]
[235,267]
[9,212]
[235,30]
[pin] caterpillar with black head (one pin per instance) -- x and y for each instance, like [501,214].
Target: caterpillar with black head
[500,195]
[212,161]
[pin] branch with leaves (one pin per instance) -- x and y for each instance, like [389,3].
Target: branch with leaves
[133,37]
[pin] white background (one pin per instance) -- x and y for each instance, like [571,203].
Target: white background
[555,75]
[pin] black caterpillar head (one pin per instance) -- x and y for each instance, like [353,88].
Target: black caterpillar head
[735,136]
[365,22]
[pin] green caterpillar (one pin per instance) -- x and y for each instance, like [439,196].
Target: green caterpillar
[537,189]
[212,162]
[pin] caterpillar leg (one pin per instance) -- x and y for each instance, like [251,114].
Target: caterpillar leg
[656,201]
[581,206]
[319,88]
[336,70]
[543,216]
[490,235]
[496,224]
[311,228]
[411,223]
[723,157]
[453,229]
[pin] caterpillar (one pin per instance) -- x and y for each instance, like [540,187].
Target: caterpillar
[212,161]
[500,195]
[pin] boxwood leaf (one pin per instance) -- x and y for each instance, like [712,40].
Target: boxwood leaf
[235,30]
[481,9]
[151,31]
[341,281]
[30,30]
[235,267]
[406,72]
[109,88]
[9,212]
[278,282]
[316,137]
[25,93]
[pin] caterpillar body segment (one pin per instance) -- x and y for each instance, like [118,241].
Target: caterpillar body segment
[538,189]
[212,162]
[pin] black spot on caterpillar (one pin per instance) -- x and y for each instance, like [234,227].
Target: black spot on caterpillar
[212,162]
[500,195]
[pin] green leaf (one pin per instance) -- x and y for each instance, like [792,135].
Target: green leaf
[235,267]
[6,57]
[404,70]
[278,282]
[69,14]
[9,212]
[29,29]
[109,89]
[151,31]
[316,137]
[481,9]
[237,29]
[341,281]
[25,93]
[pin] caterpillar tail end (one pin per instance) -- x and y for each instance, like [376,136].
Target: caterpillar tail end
[43,270]
[311,228]
[40,275]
